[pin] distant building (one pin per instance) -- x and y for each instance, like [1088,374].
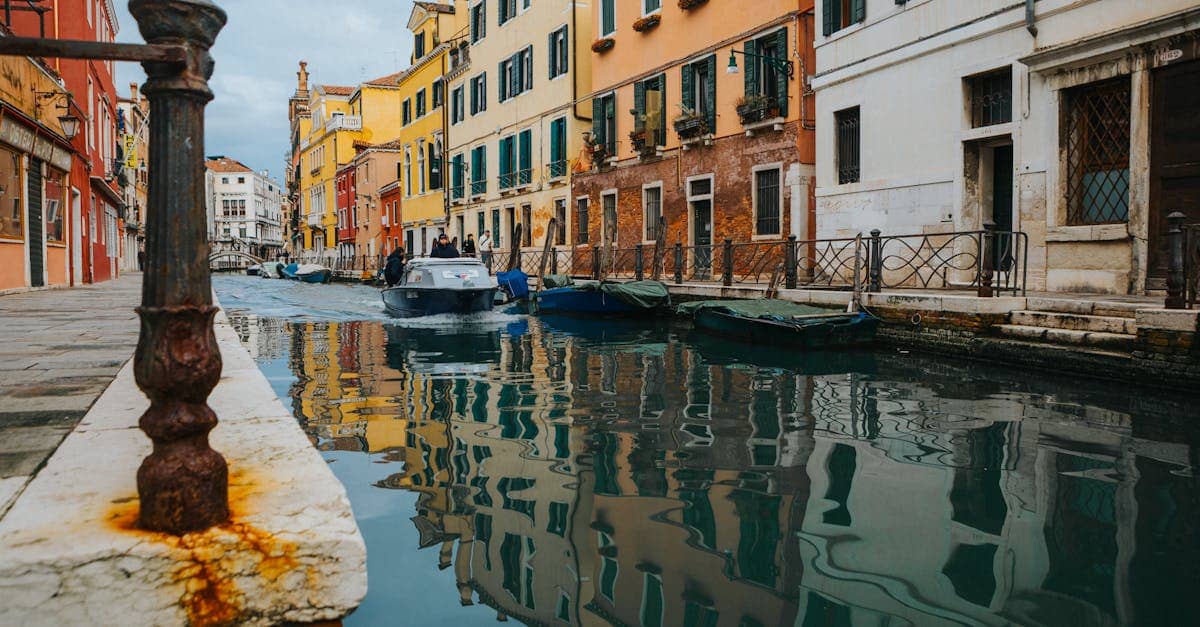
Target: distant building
[247,208]
[133,129]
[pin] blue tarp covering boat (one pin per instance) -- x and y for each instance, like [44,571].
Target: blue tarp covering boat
[593,298]
[777,322]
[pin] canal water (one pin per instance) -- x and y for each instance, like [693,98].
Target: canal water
[567,471]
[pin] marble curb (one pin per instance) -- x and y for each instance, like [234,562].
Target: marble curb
[1182,320]
[71,555]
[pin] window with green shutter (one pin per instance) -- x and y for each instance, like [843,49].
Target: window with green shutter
[604,123]
[699,87]
[456,177]
[838,14]
[608,17]
[506,162]
[525,157]
[649,103]
[558,148]
[763,77]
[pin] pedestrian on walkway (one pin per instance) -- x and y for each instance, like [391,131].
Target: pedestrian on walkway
[485,249]
[468,249]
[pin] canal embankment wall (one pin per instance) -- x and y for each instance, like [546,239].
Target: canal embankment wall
[72,553]
[1158,348]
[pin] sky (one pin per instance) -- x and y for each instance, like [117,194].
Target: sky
[257,54]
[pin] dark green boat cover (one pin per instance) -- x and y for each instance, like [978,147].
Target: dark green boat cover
[644,294]
[769,308]
[551,281]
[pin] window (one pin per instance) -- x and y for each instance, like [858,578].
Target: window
[497,235]
[651,211]
[557,53]
[419,45]
[406,112]
[608,17]
[1096,140]
[581,220]
[527,224]
[516,74]
[848,145]
[439,88]
[650,6]
[991,98]
[604,123]
[838,14]
[458,111]
[649,110]
[479,94]
[608,218]
[507,159]
[479,21]
[480,223]
[408,179]
[435,164]
[560,218]
[479,170]
[768,201]
[420,103]
[507,10]
[763,78]
[421,166]
[506,80]
[241,179]
[558,148]
[457,187]
[699,86]
[525,157]
[652,600]
[224,180]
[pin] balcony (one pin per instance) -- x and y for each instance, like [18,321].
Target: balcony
[344,123]
[314,220]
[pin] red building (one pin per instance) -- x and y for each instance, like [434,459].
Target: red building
[343,183]
[95,210]
[393,230]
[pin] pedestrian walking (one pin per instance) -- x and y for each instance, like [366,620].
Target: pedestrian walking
[485,249]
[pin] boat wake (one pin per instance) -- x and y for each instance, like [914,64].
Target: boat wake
[451,321]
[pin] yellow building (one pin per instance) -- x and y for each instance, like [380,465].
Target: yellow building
[337,117]
[423,132]
[514,78]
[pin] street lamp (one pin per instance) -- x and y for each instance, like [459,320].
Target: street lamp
[780,65]
[70,125]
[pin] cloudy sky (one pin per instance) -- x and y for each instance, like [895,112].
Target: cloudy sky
[344,42]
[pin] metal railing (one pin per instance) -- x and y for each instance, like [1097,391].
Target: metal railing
[986,261]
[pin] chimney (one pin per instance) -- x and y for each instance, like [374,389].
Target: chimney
[302,77]
[133,92]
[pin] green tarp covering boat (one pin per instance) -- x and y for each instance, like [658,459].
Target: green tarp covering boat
[779,322]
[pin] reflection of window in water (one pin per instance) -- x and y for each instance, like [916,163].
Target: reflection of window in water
[558,518]
[515,555]
[971,570]
[652,600]
[977,497]
[758,535]
[697,508]
[609,568]
[1081,531]
[841,467]
[11,195]
[605,447]
[483,534]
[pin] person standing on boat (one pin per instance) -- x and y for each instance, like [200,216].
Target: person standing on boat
[444,249]
[394,268]
[485,249]
[468,249]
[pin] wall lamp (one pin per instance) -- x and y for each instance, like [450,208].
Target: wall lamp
[780,65]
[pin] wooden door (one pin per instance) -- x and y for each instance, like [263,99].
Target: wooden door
[1174,158]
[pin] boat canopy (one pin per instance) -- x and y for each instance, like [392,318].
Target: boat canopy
[765,308]
[643,294]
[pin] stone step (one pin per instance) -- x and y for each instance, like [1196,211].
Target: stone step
[1106,341]
[1077,322]
[1110,308]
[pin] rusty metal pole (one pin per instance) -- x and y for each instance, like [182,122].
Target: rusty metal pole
[183,484]
[987,260]
[1176,281]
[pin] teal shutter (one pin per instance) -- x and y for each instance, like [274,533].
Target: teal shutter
[752,68]
[526,164]
[830,20]
[639,104]
[781,77]
[505,154]
[598,121]
[662,110]
[610,115]
[483,166]
[608,20]
[858,11]
[687,86]
[710,92]
[551,53]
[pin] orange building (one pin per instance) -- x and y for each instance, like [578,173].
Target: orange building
[700,118]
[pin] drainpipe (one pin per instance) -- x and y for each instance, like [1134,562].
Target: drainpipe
[1030,18]
[575,65]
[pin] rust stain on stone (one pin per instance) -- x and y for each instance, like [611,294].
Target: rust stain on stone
[212,559]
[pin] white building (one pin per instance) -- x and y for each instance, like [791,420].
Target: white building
[1073,121]
[246,206]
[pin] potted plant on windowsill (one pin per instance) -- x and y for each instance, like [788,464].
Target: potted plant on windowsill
[756,108]
[689,124]
[688,5]
[645,23]
[604,44]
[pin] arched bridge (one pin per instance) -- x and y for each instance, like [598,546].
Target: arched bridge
[235,254]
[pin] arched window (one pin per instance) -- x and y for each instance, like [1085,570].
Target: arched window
[421,163]
[408,187]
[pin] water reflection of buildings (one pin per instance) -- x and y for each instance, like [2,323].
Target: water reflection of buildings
[624,476]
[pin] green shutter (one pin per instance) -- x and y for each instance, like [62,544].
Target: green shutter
[610,113]
[551,53]
[858,11]
[608,20]
[526,156]
[781,77]
[752,68]
[830,20]
[598,120]
[662,110]
[710,91]
[639,104]
[505,169]
[687,86]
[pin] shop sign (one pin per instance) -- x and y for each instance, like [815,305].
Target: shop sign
[61,158]
[42,148]
[16,134]
[131,159]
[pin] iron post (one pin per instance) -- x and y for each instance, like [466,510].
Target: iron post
[639,267]
[727,259]
[183,484]
[987,265]
[789,263]
[596,263]
[1176,290]
[875,263]
[553,260]
[678,263]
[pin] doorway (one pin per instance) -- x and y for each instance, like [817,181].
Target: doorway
[37,238]
[700,201]
[1002,206]
[1174,159]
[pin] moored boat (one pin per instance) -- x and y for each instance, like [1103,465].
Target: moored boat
[777,322]
[253,270]
[270,270]
[604,299]
[288,271]
[313,273]
[437,286]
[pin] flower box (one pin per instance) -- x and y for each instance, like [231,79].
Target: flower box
[603,45]
[753,109]
[688,5]
[646,23]
[691,126]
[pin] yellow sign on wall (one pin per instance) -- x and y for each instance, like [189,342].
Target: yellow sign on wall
[131,159]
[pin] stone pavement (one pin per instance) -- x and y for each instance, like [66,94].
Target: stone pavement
[59,349]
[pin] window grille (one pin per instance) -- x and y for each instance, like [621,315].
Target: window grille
[848,145]
[767,211]
[991,98]
[1097,137]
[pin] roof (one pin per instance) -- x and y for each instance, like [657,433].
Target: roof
[225,164]
[436,6]
[391,80]
[336,90]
